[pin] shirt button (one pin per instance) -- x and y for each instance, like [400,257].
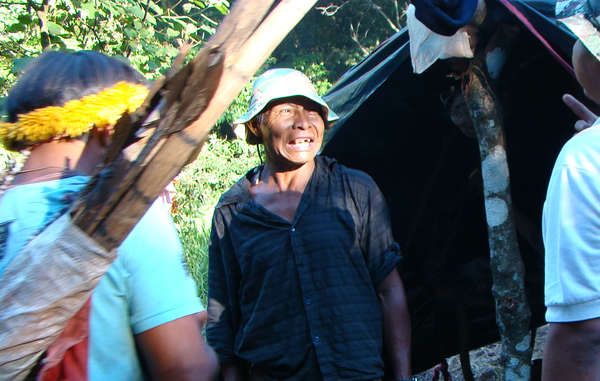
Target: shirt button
[293,229]
[316,339]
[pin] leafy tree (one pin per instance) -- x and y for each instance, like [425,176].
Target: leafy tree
[198,188]
[336,34]
[147,32]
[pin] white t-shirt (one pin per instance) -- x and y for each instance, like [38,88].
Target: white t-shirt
[571,231]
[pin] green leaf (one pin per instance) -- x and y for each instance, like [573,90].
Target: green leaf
[177,23]
[71,43]
[190,28]
[171,51]
[156,8]
[17,27]
[211,21]
[150,19]
[25,18]
[137,11]
[55,29]
[114,9]
[187,7]
[150,48]
[199,4]
[207,29]
[129,32]
[56,42]
[171,33]
[89,9]
[222,8]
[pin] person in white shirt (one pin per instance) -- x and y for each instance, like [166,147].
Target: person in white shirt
[571,220]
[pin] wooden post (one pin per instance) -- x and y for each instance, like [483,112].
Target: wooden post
[512,310]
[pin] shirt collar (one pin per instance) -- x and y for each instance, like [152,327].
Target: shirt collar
[240,191]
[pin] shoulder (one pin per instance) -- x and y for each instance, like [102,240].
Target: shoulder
[574,185]
[154,238]
[239,192]
[353,177]
[582,151]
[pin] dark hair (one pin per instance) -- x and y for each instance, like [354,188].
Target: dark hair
[258,120]
[54,78]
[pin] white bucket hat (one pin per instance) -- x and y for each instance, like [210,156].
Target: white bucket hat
[282,83]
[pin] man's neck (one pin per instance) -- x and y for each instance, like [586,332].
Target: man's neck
[280,191]
[288,180]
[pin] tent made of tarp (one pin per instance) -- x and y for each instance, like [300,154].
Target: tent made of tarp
[397,126]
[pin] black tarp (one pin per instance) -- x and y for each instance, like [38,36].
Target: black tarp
[395,126]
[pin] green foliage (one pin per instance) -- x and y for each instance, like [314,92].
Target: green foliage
[314,69]
[146,33]
[199,186]
[339,33]
[8,159]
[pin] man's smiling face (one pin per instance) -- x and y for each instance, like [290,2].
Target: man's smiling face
[292,132]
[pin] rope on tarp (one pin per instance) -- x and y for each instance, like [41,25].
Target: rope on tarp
[512,9]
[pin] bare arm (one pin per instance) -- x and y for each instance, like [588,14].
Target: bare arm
[396,323]
[572,351]
[176,351]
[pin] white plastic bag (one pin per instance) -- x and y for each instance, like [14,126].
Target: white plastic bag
[426,46]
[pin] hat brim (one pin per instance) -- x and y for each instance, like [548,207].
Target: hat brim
[585,31]
[260,106]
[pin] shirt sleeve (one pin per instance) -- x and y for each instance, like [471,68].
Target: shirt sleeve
[382,253]
[223,285]
[572,244]
[160,289]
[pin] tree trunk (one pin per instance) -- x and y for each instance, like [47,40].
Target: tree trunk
[42,14]
[512,310]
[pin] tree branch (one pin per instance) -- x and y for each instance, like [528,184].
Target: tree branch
[331,9]
[355,37]
[42,14]
[387,19]
[396,11]
[7,3]
[169,9]
[146,10]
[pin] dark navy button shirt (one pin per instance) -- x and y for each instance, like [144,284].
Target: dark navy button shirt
[297,301]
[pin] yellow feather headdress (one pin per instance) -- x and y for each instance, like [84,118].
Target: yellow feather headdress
[75,117]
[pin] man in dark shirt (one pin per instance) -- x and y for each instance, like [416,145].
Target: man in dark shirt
[303,282]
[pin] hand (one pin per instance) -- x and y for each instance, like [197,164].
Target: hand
[587,117]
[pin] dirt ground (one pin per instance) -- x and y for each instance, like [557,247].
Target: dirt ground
[485,362]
